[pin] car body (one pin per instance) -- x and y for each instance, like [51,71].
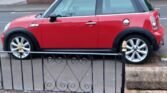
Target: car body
[97,26]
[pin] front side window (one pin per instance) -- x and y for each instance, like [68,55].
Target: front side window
[118,6]
[68,8]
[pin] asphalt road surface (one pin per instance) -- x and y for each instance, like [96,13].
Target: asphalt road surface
[163,17]
[6,17]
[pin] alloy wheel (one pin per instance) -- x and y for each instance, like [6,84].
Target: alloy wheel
[20,47]
[137,50]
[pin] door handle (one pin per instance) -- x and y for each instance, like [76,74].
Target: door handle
[91,23]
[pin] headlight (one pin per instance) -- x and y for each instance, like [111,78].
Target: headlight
[6,27]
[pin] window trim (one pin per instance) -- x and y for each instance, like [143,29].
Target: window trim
[99,6]
[55,4]
[107,15]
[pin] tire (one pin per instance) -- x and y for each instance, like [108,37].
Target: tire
[20,43]
[139,49]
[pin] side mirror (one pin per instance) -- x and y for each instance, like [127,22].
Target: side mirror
[53,18]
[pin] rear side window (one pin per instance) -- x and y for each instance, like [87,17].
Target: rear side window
[118,6]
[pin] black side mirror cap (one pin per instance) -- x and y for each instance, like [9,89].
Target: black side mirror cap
[53,18]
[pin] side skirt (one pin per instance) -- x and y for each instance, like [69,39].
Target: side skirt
[81,50]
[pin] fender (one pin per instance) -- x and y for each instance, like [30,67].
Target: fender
[135,30]
[23,31]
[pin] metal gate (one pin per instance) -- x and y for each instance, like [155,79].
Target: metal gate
[63,72]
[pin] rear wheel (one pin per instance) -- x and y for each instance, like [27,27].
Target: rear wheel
[138,49]
[20,44]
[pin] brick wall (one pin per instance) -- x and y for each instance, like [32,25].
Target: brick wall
[39,1]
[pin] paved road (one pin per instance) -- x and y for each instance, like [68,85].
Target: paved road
[9,16]
[162,6]
[6,17]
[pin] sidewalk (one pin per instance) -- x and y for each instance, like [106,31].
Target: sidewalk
[24,7]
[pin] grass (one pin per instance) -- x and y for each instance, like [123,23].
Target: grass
[163,56]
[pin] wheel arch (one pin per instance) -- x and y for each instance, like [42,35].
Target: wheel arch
[20,31]
[134,31]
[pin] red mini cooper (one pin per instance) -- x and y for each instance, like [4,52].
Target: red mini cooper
[88,26]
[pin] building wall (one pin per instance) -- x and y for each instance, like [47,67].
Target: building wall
[39,1]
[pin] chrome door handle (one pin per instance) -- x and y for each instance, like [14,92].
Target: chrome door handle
[91,23]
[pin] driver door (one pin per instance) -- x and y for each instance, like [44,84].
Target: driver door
[75,27]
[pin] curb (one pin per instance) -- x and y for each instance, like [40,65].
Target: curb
[146,91]
[146,78]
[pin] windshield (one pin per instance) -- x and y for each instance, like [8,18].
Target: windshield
[45,13]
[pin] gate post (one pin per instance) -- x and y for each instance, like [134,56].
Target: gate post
[21,65]
[124,49]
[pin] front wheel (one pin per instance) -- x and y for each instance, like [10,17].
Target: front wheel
[20,46]
[138,49]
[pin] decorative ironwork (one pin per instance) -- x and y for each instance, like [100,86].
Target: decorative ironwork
[57,72]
